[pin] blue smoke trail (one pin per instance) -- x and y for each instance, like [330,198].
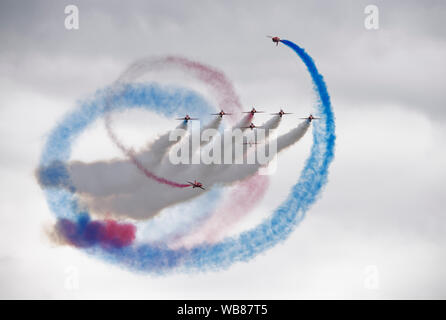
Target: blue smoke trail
[158,258]
[283,221]
[53,175]
[178,220]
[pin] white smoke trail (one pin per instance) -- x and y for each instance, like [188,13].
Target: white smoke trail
[119,189]
[155,151]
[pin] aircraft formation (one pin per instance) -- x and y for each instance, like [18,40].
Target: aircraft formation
[253,111]
[251,126]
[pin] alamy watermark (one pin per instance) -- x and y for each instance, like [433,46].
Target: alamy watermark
[72,19]
[72,278]
[235,146]
[371,277]
[371,21]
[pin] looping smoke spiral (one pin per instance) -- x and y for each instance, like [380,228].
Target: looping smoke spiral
[115,242]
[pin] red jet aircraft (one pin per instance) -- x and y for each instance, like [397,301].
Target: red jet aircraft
[186,118]
[253,111]
[221,114]
[251,126]
[281,113]
[196,184]
[310,118]
[275,39]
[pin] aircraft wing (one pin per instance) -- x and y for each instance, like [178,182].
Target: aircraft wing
[202,188]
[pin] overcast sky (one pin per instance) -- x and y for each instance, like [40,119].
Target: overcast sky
[382,211]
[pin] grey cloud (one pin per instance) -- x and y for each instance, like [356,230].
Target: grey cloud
[383,204]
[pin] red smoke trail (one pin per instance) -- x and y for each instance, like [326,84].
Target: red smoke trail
[136,162]
[227,99]
[222,88]
[246,195]
[86,233]
[150,175]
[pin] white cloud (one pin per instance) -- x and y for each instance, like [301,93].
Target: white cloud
[383,204]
